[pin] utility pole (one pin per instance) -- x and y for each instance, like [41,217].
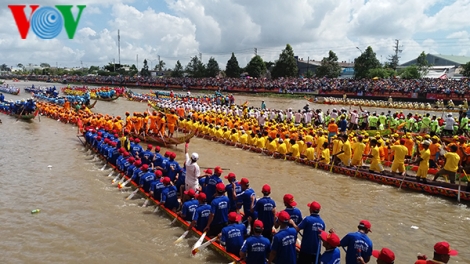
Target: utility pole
[394,59]
[119,48]
[256,52]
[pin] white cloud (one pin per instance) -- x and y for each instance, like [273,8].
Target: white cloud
[219,27]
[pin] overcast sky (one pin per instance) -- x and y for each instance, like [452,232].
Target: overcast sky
[179,29]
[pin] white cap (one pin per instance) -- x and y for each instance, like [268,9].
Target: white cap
[194,156]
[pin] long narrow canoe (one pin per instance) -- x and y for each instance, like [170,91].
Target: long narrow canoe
[26,117]
[106,99]
[434,188]
[10,91]
[173,215]
[164,141]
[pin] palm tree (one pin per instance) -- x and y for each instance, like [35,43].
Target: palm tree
[161,65]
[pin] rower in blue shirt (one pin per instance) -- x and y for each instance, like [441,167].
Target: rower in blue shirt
[147,178]
[256,248]
[172,167]
[189,207]
[212,182]
[283,246]
[219,212]
[136,148]
[156,187]
[147,155]
[232,196]
[312,225]
[169,195]
[295,213]
[332,254]
[138,171]
[157,157]
[358,244]
[266,210]
[202,213]
[233,235]
[248,199]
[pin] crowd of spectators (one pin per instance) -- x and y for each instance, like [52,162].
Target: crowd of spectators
[292,85]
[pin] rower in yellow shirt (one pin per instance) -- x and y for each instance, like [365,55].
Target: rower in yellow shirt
[375,165]
[423,160]
[243,138]
[358,150]
[345,154]
[337,145]
[282,148]
[310,152]
[319,143]
[272,145]
[399,153]
[451,165]
[294,149]
[325,154]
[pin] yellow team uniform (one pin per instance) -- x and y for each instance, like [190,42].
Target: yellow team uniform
[400,151]
[358,149]
[423,167]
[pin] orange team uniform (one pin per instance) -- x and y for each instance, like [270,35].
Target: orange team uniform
[172,119]
[180,111]
[409,144]
[434,149]
[153,123]
[162,125]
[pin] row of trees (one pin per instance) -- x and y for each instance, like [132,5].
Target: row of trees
[365,66]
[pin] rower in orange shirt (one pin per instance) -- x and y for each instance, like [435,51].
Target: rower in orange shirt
[409,144]
[153,122]
[172,121]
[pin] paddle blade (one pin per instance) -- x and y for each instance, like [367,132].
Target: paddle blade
[111,174]
[146,202]
[182,236]
[104,167]
[132,194]
[203,246]
[198,244]
[156,209]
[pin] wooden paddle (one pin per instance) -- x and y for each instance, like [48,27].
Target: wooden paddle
[196,246]
[18,118]
[183,236]
[203,246]
[132,194]
[407,167]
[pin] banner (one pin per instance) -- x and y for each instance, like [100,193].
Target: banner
[453,96]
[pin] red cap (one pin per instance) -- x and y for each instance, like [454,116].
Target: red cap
[220,187]
[258,225]
[172,155]
[266,189]
[244,181]
[234,217]
[208,171]
[385,255]
[190,192]
[158,173]
[289,199]
[126,154]
[137,163]
[201,196]
[230,176]
[98,138]
[314,206]
[443,248]
[283,216]
[330,238]
[145,167]
[137,140]
[116,135]
[131,159]
[402,141]
[218,170]
[122,150]
[131,139]
[365,224]
[167,153]
[157,148]
[166,180]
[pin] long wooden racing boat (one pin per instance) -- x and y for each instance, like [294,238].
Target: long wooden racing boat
[164,141]
[106,99]
[10,91]
[26,117]
[90,106]
[219,248]
[409,182]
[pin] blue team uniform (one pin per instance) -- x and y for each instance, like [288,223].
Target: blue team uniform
[284,245]
[332,256]
[310,240]
[146,180]
[257,249]
[219,207]
[232,238]
[229,190]
[264,208]
[169,197]
[157,187]
[172,169]
[210,187]
[189,208]
[201,216]
[244,198]
[295,214]
[358,244]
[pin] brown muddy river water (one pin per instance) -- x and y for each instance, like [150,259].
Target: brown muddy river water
[84,219]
